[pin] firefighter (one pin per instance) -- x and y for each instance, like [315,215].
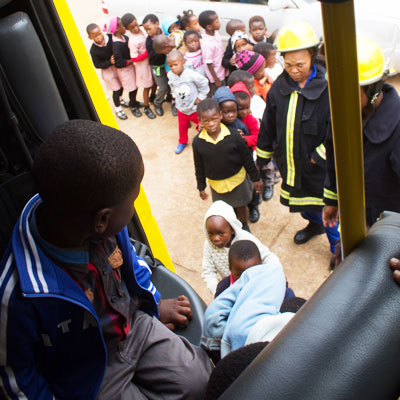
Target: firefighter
[294,127]
[380,105]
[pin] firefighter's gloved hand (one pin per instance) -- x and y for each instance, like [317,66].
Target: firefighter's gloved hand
[175,313]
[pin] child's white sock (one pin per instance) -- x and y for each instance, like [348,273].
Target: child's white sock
[118,109]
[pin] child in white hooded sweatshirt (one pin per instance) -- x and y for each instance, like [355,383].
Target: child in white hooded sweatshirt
[222,228]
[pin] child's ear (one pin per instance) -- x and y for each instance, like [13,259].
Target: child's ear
[102,220]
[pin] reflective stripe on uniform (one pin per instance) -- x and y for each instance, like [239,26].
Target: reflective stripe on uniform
[328,194]
[291,116]
[264,154]
[301,201]
[321,151]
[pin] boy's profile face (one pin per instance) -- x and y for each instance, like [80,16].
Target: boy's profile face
[133,27]
[215,23]
[228,111]
[270,61]
[97,36]
[219,231]
[237,267]
[151,28]
[119,215]
[168,46]
[210,120]
[243,107]
[176,64]
[250,86]
[258,31]
[192,43]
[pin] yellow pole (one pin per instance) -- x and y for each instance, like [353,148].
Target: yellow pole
[344,92]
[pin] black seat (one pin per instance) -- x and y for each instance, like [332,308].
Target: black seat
[344,343]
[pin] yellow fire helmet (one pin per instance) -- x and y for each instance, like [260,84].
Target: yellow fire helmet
[296,35]
[371,63]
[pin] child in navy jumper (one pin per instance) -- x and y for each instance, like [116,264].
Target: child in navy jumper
[103,58]
[221,155]
[76,300]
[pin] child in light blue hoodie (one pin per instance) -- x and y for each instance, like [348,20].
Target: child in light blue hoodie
[258,292]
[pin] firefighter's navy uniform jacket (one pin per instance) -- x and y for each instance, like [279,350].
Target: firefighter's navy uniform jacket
[381,142]
[293,130]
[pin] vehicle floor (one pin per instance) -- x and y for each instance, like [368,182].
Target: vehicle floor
[170,186]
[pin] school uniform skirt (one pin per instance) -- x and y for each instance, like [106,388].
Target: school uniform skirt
[238,197]
[144,79]
[110,78]
[127,77]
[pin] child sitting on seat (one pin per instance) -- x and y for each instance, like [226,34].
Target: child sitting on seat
[222,229]
[258,291]
[78,300]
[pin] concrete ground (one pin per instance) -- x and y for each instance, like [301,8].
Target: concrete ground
[170,185]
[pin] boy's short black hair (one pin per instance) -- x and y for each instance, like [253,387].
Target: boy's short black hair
[85,166]
[184,19]
[206,105]
[230,367]
[190,32]
[159,43]
[243,250]
[292,305]
[264,48]
[150,17]
[91,27]
[206,17]
[233,25]
[127,19]
[242,95]
[239,76]
[256,18]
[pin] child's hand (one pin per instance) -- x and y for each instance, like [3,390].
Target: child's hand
[112,60]
[330,216]
[197,101]
[203,195]
[270,79]
[218,83]
[258,186]
[175,313]
[394,264]
[241,132]
[263,81]
[232,61]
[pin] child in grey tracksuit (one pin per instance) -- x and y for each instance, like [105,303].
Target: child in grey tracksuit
[188,87]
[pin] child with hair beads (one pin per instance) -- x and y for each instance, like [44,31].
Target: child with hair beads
[258,291]
[222,228]
[189,21]
[258,30]
[123,62]
[140,58]
[194,57]
[212,49]
[272,67]
[188,88]
[255,64]
[221,156]
[157,61]
[103,58]
[228,60]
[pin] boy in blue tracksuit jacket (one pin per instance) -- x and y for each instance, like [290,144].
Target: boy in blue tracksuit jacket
[78,316]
